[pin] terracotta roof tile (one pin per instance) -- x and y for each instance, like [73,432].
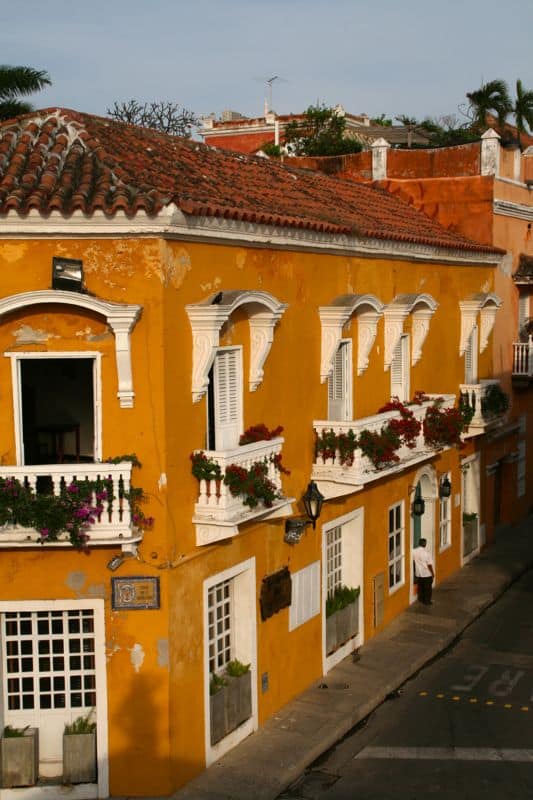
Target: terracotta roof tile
[63,160]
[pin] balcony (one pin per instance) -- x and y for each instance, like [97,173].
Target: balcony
[218,514]
[489,404]
[523,362]
[114,526]
[336,479]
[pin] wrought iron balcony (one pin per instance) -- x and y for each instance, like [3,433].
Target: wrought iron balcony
[217,513]
[488,403]
[335,479]
[113,526]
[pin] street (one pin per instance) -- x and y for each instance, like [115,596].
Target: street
[459,729]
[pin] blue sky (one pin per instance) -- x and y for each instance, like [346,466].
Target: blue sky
[393,56]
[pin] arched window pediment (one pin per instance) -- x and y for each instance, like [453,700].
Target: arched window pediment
[207,319]
[421,307]
[486,304]
[120,317]
[368,309]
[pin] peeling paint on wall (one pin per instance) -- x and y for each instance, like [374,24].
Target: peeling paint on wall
[96,590]
[169,265]
[28,335]
[162,652]
[89,335]
[13,252]
[162,482]
[76,581]
[136,656]
[212,286]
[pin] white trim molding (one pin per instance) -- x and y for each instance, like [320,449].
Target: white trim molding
[490,152]
[507,208]
[421,307]
[334,317]
[207,319]
[120,317]
[487,304]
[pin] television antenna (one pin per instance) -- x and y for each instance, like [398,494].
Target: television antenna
[269,81]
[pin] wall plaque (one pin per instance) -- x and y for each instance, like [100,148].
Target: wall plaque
[276,591]
[135,593]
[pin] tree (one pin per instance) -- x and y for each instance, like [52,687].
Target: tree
[491,97]
[383,120]
[523,108]
[321,132]
[162,116]
[16,81]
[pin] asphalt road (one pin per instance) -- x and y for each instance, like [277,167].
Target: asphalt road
[462,728]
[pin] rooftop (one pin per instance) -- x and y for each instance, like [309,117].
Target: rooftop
[57,160]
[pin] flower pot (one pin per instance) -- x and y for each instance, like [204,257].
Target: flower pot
[342,626]
[19,759]
[230,706]
[469,536]
[79,758]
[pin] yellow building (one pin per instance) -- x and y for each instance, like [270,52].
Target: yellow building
[161,299]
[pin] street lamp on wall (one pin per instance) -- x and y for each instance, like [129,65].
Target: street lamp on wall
[445,488]
[418,506]
[313,500]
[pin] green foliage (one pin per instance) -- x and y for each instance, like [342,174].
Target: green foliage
[236,668]
[342,597]
[382,120]
[131,457]
[523,108]
[271,149]
[252,484]
[380,446]
[81,725]
[16,82]
[204,468]
[491,98]
[216,683]
[495,402]
[469,516]
[320,133]
[14,733]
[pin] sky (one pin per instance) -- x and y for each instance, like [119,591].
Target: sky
[411,57]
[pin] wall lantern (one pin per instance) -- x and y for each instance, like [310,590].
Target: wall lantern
[445,488]
[67,274]
[418,505]
[295,527]
[313,500]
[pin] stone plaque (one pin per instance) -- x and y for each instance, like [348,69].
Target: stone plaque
[135,593]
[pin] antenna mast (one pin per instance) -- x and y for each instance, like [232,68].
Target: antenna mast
[268,98]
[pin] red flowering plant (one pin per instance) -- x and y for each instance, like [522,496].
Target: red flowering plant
[204,468]
[259,433]
[443,426]
[326,444]
[380,446]
[407,427]
[253,484]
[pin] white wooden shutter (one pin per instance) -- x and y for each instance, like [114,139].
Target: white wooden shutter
[399,370]
[227,377]
[471,358]
[523,310]
[339,384]
[305,602]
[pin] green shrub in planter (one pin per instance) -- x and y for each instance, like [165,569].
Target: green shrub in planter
[79,751]
[230,700]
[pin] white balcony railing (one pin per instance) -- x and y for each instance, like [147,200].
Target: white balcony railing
[336,479]
[217,513]
[114,525]
[523,359]
[475,395]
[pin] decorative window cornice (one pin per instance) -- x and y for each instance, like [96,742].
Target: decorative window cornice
[207,319]
[485,304]
[421,307]
[334,317]
[120,317]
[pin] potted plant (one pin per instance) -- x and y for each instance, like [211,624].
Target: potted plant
[19,756]
[79,751]
[495,402]
[469,532]
[342,617]
[230,699]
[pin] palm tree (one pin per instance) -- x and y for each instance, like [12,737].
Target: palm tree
[16,81]
[523,108]
[492,96]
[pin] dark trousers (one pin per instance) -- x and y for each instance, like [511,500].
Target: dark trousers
[425,589]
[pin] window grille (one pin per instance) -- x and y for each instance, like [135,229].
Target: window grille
[219,620]
[396,539]
[334,560]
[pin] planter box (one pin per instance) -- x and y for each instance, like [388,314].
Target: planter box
[79,758]
[342,626]
[470,540]
[231,706]
[19,759]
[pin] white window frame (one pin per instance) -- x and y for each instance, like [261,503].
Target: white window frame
[401,361]
[244,647]
[394,532]
[344,349]
[221,435]
[98,607]
[352,575]
[17,358]
[445,520]
[305,599]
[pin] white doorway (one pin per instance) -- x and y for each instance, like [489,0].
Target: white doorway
[423,526]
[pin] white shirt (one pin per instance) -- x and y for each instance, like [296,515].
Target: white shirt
[422,560]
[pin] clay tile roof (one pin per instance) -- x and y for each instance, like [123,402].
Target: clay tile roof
[61,160]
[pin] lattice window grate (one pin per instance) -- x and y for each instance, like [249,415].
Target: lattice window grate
[219,620]
[334,559]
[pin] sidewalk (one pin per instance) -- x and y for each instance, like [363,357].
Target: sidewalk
[268,761]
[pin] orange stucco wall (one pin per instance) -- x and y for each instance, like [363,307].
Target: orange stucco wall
[156,709]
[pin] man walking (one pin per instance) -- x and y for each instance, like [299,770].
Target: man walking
[424,573]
